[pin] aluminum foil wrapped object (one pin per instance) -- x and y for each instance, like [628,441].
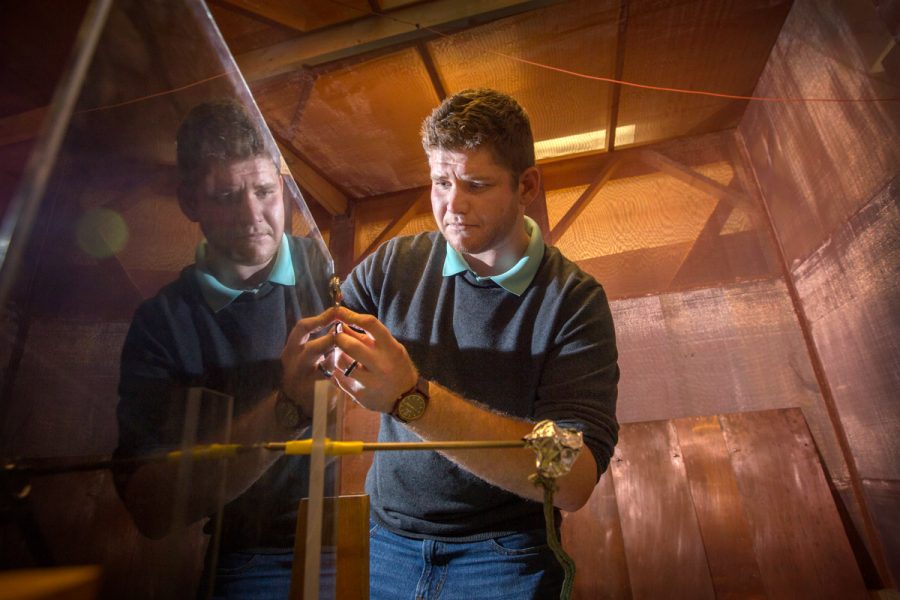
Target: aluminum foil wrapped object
[555,447]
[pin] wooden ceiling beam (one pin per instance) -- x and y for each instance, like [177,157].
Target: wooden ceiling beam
[433,74]
[615,91]
[287,13]
[705,240]
[605,174]
[403,25]
[695,179]
[325,193]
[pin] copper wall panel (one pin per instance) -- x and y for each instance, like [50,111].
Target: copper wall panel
[850,293]
[819,163]
[578,36]
[593,538]
[663,546]
[730,349]
[368,143]
[789,508]
[720,510]
[881,498]
[850,289]
[825,171]
[66,382]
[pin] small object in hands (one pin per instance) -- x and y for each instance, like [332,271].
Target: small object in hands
[556,448]
[336,294]
[349,369]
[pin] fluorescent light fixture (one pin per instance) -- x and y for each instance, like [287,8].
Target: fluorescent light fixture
[589,141]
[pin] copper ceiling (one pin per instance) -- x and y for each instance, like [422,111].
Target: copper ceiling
[344,84]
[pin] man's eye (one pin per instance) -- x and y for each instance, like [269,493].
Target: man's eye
[444,185]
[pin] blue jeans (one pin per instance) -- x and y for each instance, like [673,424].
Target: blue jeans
[511,567]
[245,576]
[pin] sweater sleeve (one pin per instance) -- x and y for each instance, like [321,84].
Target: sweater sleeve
[578,386]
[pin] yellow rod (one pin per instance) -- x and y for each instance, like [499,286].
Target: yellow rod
[356,447]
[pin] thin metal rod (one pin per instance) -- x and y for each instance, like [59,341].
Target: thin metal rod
[60,465]
[381,446]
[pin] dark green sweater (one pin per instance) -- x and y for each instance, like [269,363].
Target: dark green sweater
[176,341]
[548,354]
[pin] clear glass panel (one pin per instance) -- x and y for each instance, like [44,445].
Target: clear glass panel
[127,361]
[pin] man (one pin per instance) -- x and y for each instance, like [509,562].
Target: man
[223,325]
[475,333]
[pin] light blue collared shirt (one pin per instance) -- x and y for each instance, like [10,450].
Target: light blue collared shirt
[517,279]
[218,295]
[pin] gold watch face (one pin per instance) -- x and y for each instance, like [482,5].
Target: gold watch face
[411,407]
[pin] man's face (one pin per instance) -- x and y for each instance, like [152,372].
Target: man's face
[477,204]
[240,209]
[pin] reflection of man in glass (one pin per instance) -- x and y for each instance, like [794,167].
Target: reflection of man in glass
[223,325]
[475,333]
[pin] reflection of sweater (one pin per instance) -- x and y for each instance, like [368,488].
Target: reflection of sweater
[176,341]
[548,354]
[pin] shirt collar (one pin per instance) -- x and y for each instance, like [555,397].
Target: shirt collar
[515,280]
[218,295]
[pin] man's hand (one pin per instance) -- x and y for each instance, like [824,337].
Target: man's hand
[305,347]
[384,370]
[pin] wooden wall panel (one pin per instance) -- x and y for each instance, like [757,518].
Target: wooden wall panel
[798,538]
[727,506]
[593,537]
[663,546]
[720,509]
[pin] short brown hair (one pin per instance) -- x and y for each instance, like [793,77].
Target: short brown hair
[482,118]
[217,131]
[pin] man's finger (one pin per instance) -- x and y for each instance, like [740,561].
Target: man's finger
[370,324]
[305,327]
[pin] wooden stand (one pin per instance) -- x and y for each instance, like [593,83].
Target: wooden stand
[59,583]
[345,529]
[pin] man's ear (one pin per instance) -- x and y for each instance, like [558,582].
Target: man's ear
[529,185]
[187,200]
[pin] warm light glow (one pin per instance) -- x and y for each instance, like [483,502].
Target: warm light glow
[589,141]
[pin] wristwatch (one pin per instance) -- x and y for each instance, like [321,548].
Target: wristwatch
[411,404]
[288,413]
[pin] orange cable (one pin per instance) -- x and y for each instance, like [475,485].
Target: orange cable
[149,96]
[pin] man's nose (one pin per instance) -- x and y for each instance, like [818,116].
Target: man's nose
[250,207]
[457,200]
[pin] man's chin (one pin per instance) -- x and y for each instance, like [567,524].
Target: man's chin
[465,247]
[253,257]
